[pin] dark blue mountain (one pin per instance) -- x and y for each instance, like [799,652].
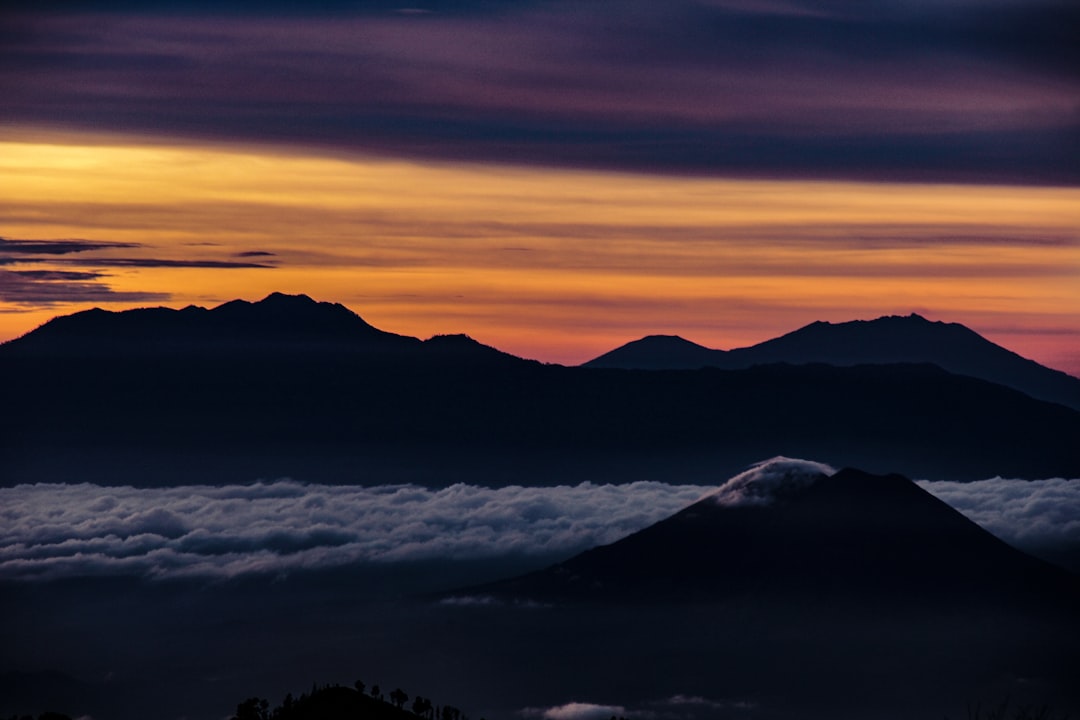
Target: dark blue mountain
[290,386]
[886,340]
[794,532]
[277,326]
[278,323]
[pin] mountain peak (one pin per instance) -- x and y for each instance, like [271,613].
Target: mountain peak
[793,527]
[279,298]
[459,347]
[886,340]
[278,322]
[655,352]
[768,481]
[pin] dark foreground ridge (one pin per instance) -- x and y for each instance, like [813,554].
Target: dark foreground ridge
[886,340]
[291,387]
[337,702]
[844,538]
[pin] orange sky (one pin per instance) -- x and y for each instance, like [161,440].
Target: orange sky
[556,265]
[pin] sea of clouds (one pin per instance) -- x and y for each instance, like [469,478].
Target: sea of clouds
[1041,517]
[50,531]
[57,530]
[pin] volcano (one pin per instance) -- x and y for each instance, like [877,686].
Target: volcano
[790,528]
[885,340]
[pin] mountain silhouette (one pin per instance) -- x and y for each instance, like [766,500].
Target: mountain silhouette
[810,533]
[278,323]
[290,386]
[660,352]
[886,340]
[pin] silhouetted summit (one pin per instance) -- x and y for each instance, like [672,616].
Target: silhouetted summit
[791,528]
[886,340]
[659,352]
[277,323]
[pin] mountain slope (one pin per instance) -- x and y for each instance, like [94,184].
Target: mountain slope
[886,340]
[849,534]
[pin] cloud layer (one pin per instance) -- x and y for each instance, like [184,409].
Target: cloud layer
[57,530]
[1041,517]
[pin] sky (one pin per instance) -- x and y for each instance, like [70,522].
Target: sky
[552,178]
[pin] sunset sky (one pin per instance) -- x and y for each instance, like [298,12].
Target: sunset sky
[552,178]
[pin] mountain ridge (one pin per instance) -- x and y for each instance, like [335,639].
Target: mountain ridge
[279,323]
[884,340]
[269,398]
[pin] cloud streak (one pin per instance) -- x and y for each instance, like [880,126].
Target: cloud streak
[575,711]
[47,288]
[56,286]
[12,247]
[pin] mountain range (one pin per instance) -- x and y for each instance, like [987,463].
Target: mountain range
[792,591]
[886,340]
[293,387]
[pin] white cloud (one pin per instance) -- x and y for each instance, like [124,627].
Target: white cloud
[764,481]
[63,530]
[576,711]
[1039,516]
[55,530]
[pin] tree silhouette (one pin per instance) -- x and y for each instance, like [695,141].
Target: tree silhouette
[253,709]
[422,706]
[339,702]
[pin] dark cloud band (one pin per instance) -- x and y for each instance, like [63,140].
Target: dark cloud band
[52,286]
[974,92]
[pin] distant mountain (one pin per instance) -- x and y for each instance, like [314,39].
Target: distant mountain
[660,352]
[886,340]
[794,529]
[278,324]
[290,386]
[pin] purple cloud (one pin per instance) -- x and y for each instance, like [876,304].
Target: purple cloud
[953,89]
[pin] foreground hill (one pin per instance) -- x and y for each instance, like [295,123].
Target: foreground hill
[291,387]
[886,340]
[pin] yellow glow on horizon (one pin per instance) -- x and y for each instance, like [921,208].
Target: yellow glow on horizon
[554,264]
